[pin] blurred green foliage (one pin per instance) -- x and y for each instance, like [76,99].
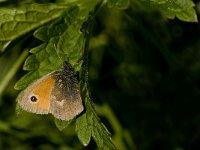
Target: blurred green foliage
[144,73]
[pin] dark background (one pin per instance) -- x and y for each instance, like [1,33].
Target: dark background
[149,73]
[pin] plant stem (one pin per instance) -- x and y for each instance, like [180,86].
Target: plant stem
[12,71]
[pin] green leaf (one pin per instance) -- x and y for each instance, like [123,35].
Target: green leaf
[62,41]
[84,131]
[51,55]
[16,22]
[60,124]
[89,124]
[182,9]
[188,15]
[120,4]
[31,63]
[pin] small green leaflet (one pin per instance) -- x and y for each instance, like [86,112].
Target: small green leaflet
[89,125]
[182,9]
